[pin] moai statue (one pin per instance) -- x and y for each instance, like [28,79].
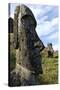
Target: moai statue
[10,32]
[50,50]
[28,47]
[11,42]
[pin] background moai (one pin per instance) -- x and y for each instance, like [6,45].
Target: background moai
[28,47]
[11,50]
[50,50]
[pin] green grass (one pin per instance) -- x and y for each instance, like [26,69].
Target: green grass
[50,70]
[49,65]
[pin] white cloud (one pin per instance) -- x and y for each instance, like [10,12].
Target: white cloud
[35,10]
[46,27]
[54,21]
[40,10]
[53,36]
[43,28]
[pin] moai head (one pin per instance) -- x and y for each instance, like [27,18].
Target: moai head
[23,17]
[50,50]
[49,45]
[28,22]
[26,38]
[27,17]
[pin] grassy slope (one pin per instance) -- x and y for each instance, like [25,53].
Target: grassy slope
[50,70]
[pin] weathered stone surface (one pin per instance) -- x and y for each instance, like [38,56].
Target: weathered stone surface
[28,47]
[15,79]
[11,51]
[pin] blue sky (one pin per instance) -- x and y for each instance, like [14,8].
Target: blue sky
[47,22]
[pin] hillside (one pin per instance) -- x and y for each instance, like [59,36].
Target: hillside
[50,69]
[49,65]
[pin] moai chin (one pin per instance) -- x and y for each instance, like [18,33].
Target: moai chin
[28,47]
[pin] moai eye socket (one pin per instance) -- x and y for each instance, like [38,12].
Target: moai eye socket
[27,21]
